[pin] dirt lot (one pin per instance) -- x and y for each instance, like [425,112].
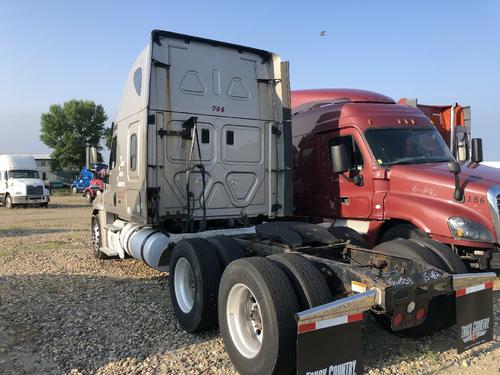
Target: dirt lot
[61,311]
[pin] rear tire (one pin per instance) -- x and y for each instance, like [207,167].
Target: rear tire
[310,286]
[195,273]
[439,309]
[256,317]
[74,190]
[402,231]
[228,249]
[96,239]
[348,234]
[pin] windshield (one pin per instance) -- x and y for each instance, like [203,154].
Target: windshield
[23,174]
[407,146]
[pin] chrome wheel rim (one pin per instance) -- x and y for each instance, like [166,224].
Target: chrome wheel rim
[244,320]
[184,285]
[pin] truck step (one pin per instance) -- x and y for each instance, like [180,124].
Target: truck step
[109,252]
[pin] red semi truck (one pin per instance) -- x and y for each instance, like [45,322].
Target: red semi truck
[383,169]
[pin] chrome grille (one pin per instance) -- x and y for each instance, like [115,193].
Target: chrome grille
[34,190]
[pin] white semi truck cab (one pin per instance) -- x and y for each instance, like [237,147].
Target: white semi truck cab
[20,183]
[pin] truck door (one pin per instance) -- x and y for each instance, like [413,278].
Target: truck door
[110,194]
[349,194]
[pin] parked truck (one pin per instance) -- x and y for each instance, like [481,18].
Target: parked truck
[84,179]
[399,178]
[200,186]
[20,184]
[453,123]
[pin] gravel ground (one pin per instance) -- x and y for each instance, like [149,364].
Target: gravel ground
[61,311]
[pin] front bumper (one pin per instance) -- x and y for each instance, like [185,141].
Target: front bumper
[30,199]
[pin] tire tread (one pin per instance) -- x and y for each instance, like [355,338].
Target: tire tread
[309,284]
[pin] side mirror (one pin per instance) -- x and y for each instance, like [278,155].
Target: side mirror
[91,157]
[340,162]
[477,150]
[454,167]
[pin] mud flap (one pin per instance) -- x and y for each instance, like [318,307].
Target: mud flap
[329,337]
[474,306]
[474,314]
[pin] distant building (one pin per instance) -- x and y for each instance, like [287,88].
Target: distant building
[43,165]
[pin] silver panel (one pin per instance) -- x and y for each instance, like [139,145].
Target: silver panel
[229,90]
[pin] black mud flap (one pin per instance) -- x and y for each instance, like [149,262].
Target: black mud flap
[474,308]
[330,347]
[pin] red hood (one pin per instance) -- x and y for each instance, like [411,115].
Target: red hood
[423,195]
[473,175]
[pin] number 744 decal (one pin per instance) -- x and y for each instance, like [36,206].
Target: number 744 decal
[217,108]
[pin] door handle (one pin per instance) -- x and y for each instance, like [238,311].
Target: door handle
[344,201]
[114,199]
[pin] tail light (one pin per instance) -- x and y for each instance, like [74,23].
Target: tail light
[397,319]
[420,314]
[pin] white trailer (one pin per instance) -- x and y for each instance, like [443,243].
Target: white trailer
[20,183]
[200,187]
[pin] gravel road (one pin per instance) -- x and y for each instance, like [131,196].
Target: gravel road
[61,311]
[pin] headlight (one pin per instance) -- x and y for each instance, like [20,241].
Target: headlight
[464,229]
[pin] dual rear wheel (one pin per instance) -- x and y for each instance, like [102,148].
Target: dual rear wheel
[253,300]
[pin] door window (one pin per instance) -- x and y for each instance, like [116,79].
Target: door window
[112,155]
[352,149]
[133,152]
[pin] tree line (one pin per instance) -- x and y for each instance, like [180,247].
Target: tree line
[68,128]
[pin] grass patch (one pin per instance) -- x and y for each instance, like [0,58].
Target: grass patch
[4,253]
[49,246]
[63,192]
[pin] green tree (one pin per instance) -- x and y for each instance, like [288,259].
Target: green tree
[108,137]
[67,129]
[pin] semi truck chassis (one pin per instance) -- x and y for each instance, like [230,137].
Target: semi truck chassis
[209,286]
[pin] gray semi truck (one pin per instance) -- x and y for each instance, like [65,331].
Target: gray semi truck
[200,186]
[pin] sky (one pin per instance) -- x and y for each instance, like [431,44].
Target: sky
[440,52]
